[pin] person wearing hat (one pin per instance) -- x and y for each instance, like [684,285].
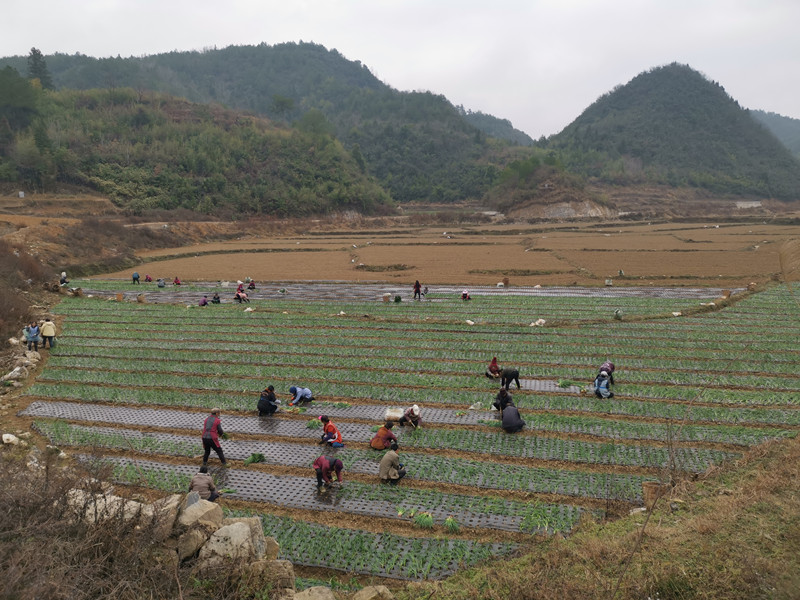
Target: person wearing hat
[608,367]
[411,416]
[323,466]
[391,469]
[602,386]
[268,403]
[512,422]
[465,295]
[493,370]
[300,395]
[330,433]
[212,429]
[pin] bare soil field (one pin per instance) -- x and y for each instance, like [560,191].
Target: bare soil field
[688,254]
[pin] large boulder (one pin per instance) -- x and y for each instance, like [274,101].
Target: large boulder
[277,574]
[318,592]
[16,374]
[230,542]
[189,542]
[201,513]
[161,515]
[256,534]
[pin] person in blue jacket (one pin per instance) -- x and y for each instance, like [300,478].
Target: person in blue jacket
[602,386]
[300,395]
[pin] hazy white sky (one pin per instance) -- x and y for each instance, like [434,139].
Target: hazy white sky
[538,63]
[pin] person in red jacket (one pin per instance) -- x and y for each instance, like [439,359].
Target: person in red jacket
[384,437]
[493,370]
[330,433]
[212,429]
[324,465]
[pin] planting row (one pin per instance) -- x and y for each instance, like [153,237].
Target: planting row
[389,502]
[496,442]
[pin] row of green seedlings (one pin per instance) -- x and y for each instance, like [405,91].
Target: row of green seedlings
[382,554]
[357,356]
[405,371]
[397,392]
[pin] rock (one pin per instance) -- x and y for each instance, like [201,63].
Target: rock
[25,436]
[256,534]
[202,513]
[33,355]
[318,592]
[190,542]
[228,542]
[278,574]
[10,439]
[17,373]
[161,515]
[13,341]
[373,592]
[271,548]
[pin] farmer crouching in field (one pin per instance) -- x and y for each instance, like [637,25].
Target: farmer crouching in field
[330,433]
[268,403]
[502,399]
[212,429]
[493,370]
[412,417]
[602,386]
[390,469]
[323,466]
[300,395]
[608,367]
[203,484]
[512,422]
[384,437]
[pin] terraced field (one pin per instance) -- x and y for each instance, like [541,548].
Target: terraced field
[697,384]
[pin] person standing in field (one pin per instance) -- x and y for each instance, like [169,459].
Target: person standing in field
[212,430]
[48,330]
[203,484]
[32,335]
[135,277]
[324,466]
[384,437]
[417,290]
[508,375]
[391,470]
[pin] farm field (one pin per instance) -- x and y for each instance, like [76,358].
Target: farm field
[697,385]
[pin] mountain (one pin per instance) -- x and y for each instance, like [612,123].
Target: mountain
[786,129]
[417,144]
[671,125]
[501,129]
[148,150]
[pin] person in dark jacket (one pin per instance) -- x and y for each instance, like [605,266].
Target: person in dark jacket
[512,422]
[135,278]
[508,375]
[203,484]
[324,466]
[215,299]
[268,402]
[212,430]
[502,399]
[417,290]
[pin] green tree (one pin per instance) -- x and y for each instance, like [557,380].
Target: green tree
[17,99]
[37,69]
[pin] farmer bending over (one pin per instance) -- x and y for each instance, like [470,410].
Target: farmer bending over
[508,375]
[300,395]
[323,466]
[512,422]
[411,416]
[384,437]
[330,433]
[203,484]
[391,470]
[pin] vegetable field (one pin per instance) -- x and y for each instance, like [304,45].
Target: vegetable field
[699,380]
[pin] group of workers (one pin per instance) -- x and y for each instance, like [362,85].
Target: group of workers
[34,334]
[328,469]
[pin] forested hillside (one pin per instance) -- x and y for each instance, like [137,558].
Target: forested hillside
[786,129]
[417,144]
[671,125]
[149,150]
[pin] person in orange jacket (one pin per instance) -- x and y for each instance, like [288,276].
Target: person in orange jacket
[330,433]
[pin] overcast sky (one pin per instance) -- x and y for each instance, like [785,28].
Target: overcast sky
[538,63]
